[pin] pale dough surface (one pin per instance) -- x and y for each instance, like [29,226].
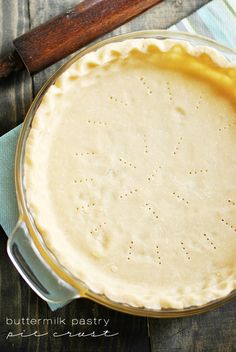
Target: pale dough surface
[130,174]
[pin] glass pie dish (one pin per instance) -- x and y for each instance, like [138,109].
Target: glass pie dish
[26,246]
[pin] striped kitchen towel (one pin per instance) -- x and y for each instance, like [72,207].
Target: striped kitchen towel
[216,20]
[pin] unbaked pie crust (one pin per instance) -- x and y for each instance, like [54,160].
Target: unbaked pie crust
[130,172]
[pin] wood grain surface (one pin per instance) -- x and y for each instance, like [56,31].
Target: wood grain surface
[213,331]
[64,34]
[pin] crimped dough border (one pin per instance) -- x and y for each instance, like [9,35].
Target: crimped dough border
[82,67]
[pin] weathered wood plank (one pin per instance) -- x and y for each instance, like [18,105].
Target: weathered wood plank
[15,97]
[212,332]
[40,12]
[15,92]
[162,16]
[159,17]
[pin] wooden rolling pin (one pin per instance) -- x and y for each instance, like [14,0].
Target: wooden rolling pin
[68,32]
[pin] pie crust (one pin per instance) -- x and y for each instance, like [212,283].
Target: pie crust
[130,172]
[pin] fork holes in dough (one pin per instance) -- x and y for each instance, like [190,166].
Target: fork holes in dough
[180,198]
[199,102]
[229,225]
[83,180]
[116,100]
[126,163]
[85,154]
[178,145]
[152,211]
[199,171]
[231,202]
[146,86]
[129,193]
[158,254]
[225,127]
[86,206]
[209,240]
[146,149]
[154,174]
[130,250]
[185,250]
[170,95]
[99,123]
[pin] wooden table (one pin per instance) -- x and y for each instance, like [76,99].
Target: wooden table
[213,331]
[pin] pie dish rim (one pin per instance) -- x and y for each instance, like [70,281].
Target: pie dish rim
[26,217]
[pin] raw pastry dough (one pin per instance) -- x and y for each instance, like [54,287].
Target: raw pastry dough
[130,172]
